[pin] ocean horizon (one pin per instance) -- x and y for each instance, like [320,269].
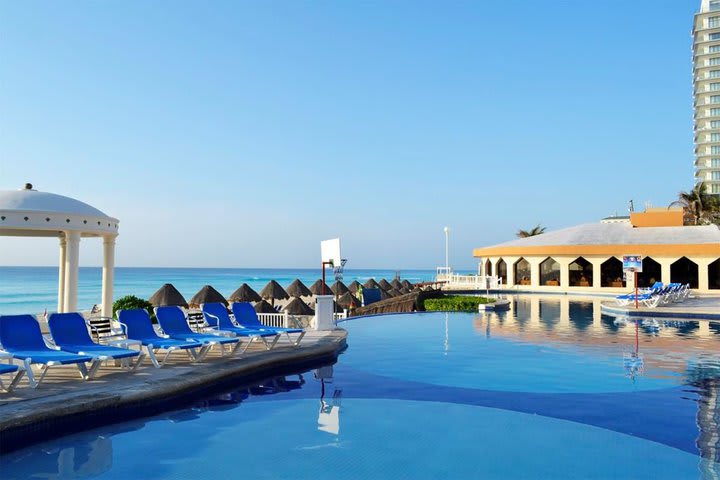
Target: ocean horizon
[34,289]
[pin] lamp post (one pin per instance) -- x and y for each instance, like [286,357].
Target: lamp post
[447,263]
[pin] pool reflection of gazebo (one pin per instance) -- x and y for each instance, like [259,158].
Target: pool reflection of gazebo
[30,213]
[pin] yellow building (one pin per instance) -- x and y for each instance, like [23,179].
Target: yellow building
[588,257]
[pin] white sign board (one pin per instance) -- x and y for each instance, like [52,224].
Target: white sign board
[330,251]
[632,263]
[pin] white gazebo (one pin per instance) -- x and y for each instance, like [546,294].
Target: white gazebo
[29,213]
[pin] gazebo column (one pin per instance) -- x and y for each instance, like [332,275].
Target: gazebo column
[108,275]
[61,274]
[72,263]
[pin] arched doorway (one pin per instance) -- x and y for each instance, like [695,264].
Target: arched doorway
[684,271]
[501,271]
[714,275]
[581,273]
[521,269]
[611,273]
[550,272]
[488,267]
[652,272]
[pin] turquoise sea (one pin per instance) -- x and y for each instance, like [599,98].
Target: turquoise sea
[34,289]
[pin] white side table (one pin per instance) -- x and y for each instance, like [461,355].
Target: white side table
[127,343]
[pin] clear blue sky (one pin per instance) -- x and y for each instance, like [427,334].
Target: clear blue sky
[240,134]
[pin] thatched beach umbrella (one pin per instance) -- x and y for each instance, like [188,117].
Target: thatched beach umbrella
[385,285]
[353,287]
[316,288]
[407,284]
[273,291]
[371,284]
[298,289]
[396,283]
[207,294]
[168,295]
[394,292]
[403,290]
[245,294]
[264,307]
[339,288]
[298,307]
[347,300]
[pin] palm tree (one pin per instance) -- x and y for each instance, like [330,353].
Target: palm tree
[536,230]
[697,202]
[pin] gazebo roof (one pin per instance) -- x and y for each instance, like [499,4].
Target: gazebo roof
[30,213]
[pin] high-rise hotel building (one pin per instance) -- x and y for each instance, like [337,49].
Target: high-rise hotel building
[706,92]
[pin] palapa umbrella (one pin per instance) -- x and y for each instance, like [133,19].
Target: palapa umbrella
[207,294]
[264,307]
[245,294]
[273,291]
[371,284]
[403,289]
[384,284]
[298,289]
[407,284]
[347,300]
[316,288]
[168,295]
[353,287]
[339,288]
[298,307]
[396,283]
[394,292]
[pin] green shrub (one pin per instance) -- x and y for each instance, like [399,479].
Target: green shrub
[129,302]
[456,304]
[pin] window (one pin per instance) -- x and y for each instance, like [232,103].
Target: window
[715,150]
[713,22]
[714,74]
[713,49]
[715,112]
[714,36]
[715,61]
[715,124]
[714,87]
[715,137]
[714,98]
[714,175]
[715,188]
[714,5]
[715,163]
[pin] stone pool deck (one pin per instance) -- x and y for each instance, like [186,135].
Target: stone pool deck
[64,403]
[694,308]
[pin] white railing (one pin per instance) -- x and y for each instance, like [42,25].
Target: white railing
[340,316]
[470,282]
[274,319]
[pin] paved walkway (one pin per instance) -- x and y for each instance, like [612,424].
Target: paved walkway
[63,395]
[700,308]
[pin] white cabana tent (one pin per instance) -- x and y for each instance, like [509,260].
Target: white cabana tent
[29,213]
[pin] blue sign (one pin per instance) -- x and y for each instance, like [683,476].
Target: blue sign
[632,263]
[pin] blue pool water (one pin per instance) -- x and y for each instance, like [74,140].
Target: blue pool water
[551,389]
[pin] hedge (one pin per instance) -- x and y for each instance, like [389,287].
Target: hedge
[456,303]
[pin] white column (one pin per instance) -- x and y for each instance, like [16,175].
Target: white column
[324,313]
[108,275]
[61,274]
[665,269]
[72,263]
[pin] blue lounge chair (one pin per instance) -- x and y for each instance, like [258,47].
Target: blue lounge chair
[21,337]
[216,315]
[246,316]
[70,333]
[138,326]
[172,321]
[8,368]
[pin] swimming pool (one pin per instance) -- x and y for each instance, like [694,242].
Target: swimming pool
[550,389]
